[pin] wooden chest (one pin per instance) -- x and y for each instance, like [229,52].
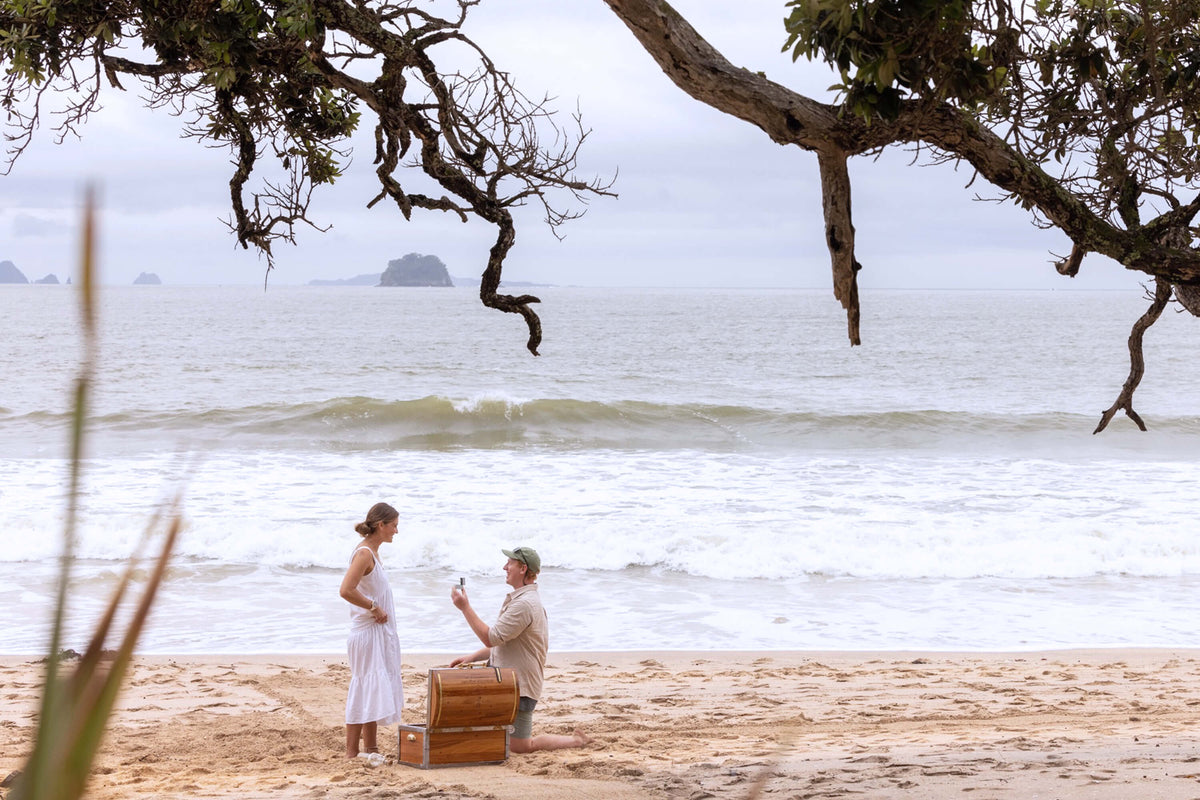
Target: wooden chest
[467,717]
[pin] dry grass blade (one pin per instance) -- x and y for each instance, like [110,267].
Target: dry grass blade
[75,709]
[758,787]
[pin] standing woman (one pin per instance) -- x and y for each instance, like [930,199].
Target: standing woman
[376,693]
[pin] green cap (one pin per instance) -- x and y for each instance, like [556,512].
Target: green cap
[527,556]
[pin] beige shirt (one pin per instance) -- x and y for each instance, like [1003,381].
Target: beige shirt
[522,637]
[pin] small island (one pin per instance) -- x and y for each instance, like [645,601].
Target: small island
[10,274]
[416,270]
[147,279]
[50,280]
[366,279]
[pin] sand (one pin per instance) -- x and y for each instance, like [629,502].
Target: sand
[1068,724]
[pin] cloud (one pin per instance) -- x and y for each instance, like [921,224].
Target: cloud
[30,225]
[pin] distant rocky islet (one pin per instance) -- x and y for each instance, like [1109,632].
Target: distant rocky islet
[413,269]
[9,273]
[368,279]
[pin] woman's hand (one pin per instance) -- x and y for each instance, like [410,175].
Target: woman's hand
[379,614]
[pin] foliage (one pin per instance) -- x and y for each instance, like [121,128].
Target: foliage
[1104,92]
[289,81]
[887,50]
[1110,91]
[1084,112]
[75,708]
[1104,95]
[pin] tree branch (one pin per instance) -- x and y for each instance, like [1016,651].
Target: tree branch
[839,234]
[1069,266]
[490,282]
[698,69]
[790,118]
[1137,364]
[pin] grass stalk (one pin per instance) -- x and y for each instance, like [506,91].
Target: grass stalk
[75,709]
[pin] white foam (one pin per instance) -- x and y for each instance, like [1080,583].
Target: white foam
[710,515]
[937,491]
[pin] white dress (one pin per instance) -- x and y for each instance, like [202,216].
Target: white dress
[376,691]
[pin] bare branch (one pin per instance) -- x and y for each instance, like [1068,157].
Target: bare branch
[839,234]
[1069,266]
[490,283]
[1137,364]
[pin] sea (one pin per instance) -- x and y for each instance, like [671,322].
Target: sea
[700,469]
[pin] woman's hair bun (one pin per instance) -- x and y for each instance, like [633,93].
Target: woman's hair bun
[379,513]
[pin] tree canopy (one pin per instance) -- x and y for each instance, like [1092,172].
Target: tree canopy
[286,82]
[1085,113]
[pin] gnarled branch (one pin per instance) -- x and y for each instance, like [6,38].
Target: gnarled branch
[1137,364]
[490,283]
[839,234]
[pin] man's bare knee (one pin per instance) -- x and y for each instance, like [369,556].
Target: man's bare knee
[520,745]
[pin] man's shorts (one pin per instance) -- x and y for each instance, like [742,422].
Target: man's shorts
[522,727]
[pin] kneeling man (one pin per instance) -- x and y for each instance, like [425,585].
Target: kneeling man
[519,639]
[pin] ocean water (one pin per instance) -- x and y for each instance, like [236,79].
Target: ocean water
[699,469]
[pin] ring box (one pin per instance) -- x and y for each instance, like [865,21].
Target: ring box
[468,712]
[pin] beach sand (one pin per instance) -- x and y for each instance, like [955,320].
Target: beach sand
[1064,724]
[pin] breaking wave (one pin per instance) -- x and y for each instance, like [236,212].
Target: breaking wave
[350,424]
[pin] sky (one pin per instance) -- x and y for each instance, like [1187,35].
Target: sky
[705,200]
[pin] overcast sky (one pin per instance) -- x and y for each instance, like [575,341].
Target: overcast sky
[705,199]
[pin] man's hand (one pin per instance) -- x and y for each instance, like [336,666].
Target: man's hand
[458,596]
